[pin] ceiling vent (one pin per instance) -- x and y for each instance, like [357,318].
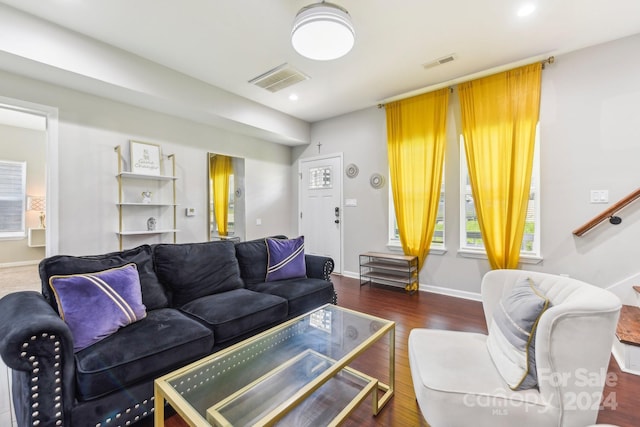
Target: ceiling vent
[439,61]
[279,78]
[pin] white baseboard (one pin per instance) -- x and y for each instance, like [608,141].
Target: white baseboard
[474,296]
[351,274]
[20,263]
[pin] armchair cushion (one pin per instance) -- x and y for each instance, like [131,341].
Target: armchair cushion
[456,384]
[511,340]
[97,305]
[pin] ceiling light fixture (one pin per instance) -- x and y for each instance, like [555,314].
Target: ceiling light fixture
[526,9]
[322,31]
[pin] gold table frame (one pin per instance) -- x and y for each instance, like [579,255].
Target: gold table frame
[165,392]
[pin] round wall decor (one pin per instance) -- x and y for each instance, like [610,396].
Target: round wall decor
[352,170]
[376,180]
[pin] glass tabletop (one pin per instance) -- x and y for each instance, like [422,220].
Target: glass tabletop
[302,360]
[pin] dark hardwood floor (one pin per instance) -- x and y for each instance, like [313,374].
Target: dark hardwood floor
[426,310]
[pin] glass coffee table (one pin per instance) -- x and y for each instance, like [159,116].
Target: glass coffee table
[296,373]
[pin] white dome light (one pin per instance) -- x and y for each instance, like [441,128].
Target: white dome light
[526,9]
[322,31]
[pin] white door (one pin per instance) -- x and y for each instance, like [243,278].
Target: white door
[320,216]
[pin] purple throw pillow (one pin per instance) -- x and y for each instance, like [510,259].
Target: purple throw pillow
[285,259]
[96,305]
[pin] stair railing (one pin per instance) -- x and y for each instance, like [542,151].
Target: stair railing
[608,214]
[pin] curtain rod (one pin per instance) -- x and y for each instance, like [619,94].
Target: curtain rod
[468,77]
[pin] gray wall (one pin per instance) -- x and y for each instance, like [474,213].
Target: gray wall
[89,129]
[590,140]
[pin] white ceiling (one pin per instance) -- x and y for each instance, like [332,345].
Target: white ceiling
[225,43]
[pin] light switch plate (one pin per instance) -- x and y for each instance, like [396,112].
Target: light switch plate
[599,196]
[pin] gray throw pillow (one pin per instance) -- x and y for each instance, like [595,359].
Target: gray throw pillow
[511,341]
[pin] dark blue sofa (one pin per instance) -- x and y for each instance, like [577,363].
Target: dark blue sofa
[199,297]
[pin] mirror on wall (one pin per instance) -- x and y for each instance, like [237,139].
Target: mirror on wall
[226,206]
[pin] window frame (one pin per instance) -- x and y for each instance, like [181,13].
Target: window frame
[21,233]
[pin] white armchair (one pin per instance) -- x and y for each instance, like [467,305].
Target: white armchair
[457,382]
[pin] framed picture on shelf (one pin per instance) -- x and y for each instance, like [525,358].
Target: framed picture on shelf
[146,158]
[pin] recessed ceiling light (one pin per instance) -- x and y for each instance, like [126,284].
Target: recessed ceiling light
[293,97]
[526,9]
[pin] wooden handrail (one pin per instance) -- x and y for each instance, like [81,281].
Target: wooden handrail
[608,213]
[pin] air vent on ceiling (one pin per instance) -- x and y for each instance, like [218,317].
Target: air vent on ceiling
[439,61]
[279,78]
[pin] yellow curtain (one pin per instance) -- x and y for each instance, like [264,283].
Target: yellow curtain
[416,140]
[499,118]
[220,169]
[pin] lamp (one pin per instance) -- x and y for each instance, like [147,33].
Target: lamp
[322,31]
[37,203]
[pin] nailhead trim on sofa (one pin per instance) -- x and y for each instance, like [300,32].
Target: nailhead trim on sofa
[129,418]
[47,341]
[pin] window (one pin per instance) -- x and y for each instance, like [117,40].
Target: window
[13,179]
[470,236]
[437,242]
[320,178]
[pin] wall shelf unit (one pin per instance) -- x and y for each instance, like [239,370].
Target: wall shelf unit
[37,238]
[135,211]
[389,269]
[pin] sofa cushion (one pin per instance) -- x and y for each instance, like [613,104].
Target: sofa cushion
[194,270]
[285,259]
[97,305]
[252,259]
[511,340]
[303,295]
[163,341]
[234,313]
[153,294]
